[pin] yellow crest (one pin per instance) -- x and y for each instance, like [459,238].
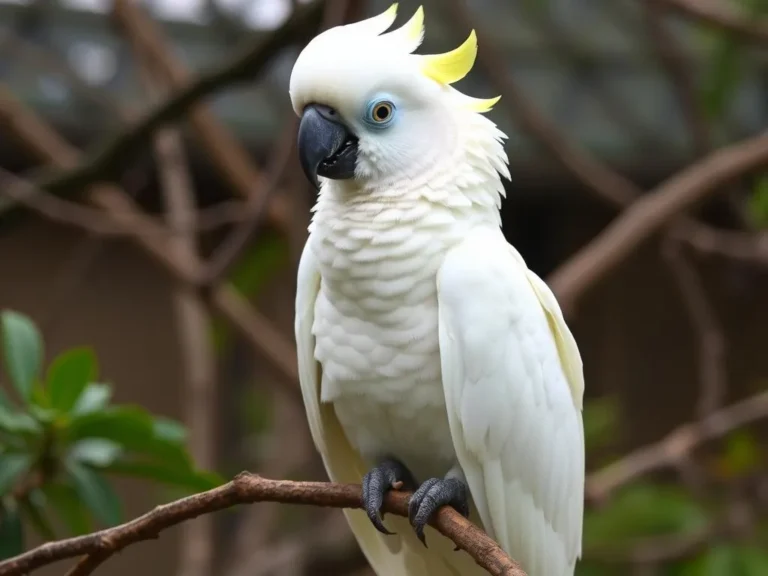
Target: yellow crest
[445,68]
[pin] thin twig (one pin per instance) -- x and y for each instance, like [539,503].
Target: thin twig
[226,254]
[712,370]
[717,15]
[36,136]
[678,444]
[671,56]
[248,488]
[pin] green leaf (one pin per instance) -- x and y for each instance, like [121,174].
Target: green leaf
[260,262]
[742,455]
[132,428]
[730,560]
[644,510]
[95,397]
[68,376]
[68,507]
[96,451]
[11,531]
[5,402]
[601,422]
[758,203]
[18,422]
[33,507]
[96,493]
[169,430]
[12,467]
[196,481]
[23,351]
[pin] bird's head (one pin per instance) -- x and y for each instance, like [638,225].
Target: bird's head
[373,111]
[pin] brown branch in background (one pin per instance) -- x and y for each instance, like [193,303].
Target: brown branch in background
[226,153]
[298,27]
[651,213]
[680,73]
[198,394]
[226,255]
[676,446]
[716,15]
[712,369]
[36,136]
[248,488]
[608,185]
[605,183]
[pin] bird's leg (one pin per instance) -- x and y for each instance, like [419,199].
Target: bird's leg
[434,493]
[390,474]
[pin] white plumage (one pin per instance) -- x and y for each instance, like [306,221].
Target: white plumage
[422,334]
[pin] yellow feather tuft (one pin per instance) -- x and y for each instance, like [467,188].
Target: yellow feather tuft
[410,35]
[451,66]
[481,104]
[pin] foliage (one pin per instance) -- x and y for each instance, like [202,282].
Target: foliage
[647,512]
[61,439]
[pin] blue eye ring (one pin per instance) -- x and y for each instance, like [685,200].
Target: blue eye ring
[380,113]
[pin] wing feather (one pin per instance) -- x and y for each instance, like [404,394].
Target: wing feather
[513,384]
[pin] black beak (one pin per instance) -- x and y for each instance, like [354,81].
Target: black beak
[326,147]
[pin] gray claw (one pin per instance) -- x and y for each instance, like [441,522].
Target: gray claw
[391,474]
[433,494]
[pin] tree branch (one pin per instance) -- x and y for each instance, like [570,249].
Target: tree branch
[713,14]
[100,165]
[36,136]
[249,488]
[651,213]
[676,446]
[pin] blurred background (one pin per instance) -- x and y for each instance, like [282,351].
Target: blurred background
[152,212]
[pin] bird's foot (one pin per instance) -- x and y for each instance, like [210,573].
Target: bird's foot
[390,474]
[433,494]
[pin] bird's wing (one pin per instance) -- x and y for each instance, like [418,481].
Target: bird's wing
[398,555]
[513,384]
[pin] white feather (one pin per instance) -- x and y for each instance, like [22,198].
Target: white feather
[515,418]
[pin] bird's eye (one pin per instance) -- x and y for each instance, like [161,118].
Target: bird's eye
[380,112]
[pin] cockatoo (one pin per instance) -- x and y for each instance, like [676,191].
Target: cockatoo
[430,357]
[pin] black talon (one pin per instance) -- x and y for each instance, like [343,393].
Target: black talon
[433,494]
[389,475]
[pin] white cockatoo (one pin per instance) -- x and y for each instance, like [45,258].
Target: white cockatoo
[430,357]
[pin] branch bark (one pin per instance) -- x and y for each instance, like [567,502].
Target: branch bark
[651,213]
[242,68]
[249,488]
[714,14]
[676,446]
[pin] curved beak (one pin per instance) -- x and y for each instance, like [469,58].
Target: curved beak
[326,147]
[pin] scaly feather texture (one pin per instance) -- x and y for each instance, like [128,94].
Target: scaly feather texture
[420,332]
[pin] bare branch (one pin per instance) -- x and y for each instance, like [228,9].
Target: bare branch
[249,488]
[715,14]
[677,445]
[33,134]
[712,371]
[651,213]
[228,155]
[300,25]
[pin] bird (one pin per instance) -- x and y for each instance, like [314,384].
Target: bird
[431,358]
